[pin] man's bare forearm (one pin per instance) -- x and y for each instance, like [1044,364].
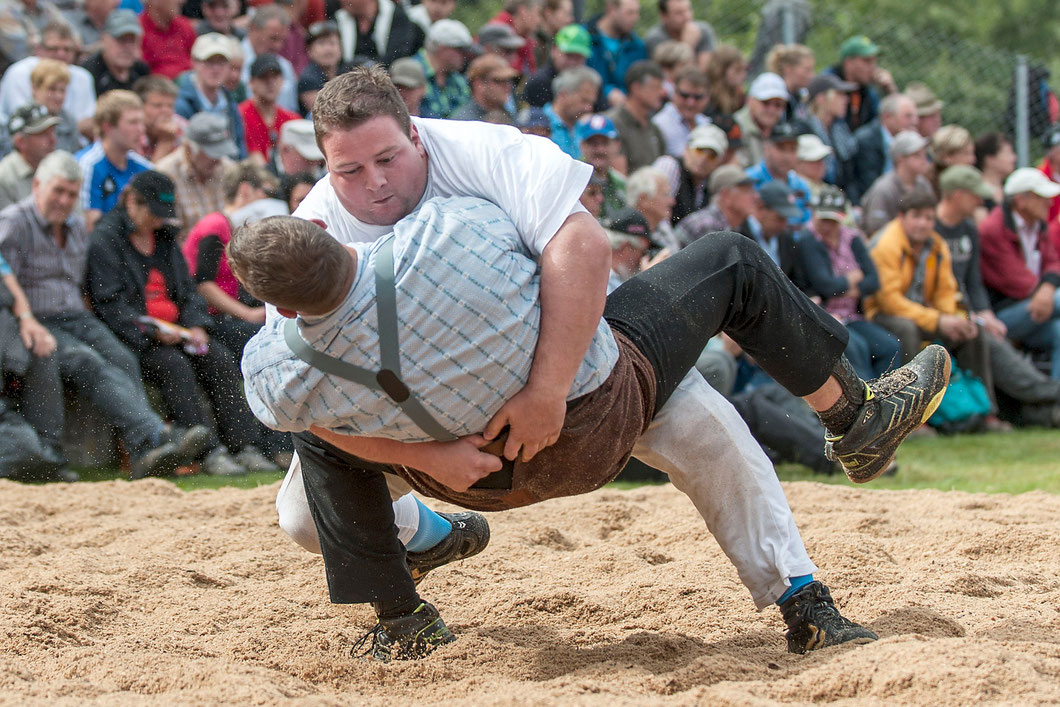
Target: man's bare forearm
[378,449]
[574,270]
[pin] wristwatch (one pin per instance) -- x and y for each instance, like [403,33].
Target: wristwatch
[25,315]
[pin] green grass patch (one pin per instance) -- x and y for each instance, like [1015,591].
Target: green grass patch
[1025,460]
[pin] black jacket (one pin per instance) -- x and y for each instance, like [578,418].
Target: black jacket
[821,278]
[869,160]
[117,277]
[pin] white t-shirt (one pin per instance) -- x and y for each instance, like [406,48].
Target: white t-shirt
[528,177]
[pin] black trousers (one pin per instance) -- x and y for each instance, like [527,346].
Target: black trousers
[178,376]
[724,282]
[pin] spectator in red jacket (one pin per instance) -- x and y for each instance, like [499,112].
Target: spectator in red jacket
[1021,267]
[524,17]
[1051,168]
[262,117]
[167,37]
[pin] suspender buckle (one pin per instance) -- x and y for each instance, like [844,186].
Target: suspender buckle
[392,385]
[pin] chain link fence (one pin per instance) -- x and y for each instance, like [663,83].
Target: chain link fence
[980,84]
[984,88]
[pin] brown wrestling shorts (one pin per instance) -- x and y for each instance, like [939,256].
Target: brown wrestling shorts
[598,435]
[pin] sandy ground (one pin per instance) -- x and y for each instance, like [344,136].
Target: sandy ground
[118,593]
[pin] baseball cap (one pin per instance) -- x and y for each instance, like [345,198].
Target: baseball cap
[907,142]
[593,125]
[778,196]
[812,148]
[449,33]
[324,28]
[1051,138]
[828,82]
[212,44]
[158,192]
[408,72]
[1029,179]
[490,66]
[830,203]
[708,137]
[963,176]
[574,39]
[726,176]
[299,135]
[927,103]
[501,36]
[210,132]
[768,86]
[629,221]
[858,45]
[31,119]
[121,23]
[785,132]
[532,117]
[265,64]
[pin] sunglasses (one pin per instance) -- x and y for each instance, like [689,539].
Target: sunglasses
[690,96]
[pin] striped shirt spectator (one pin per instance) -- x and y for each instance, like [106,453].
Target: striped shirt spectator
[475,249]
[50,276]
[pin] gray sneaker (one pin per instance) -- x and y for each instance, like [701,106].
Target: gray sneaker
[178,447]
[220,463]
[251,459]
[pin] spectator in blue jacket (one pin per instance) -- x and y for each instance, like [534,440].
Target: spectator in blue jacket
[615,46]
[202,89]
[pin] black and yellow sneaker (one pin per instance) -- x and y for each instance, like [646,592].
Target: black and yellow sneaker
[814,622]
[469,536]
[408,637]
[895,405]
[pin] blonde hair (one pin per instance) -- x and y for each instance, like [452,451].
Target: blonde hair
[785,56]
[672,53]
[111,105]
[47,73]
[949,140]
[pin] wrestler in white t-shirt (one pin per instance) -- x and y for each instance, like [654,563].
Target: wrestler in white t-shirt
[464,158]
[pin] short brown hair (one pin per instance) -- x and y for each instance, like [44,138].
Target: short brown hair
[155,83]
[916,200]
[111,105]
[354,98]
[692,75]
[245,172]
[290,263]
[47,73]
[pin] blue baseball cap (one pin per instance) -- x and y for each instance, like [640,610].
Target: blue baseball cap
[593,125]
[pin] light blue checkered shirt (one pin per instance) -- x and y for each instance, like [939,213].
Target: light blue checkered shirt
[468,321]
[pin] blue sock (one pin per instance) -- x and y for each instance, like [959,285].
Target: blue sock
[432,530]
[797,583]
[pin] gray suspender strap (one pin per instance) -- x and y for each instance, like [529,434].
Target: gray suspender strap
[388,378]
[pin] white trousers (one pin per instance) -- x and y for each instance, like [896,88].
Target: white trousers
[736,492]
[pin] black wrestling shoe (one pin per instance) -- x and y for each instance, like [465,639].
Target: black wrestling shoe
[469,536]
[895,405]
[814,622]
[408,637]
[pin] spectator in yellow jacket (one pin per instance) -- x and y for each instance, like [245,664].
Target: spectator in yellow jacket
[918,299]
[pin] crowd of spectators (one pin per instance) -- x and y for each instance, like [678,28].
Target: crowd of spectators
[135,135]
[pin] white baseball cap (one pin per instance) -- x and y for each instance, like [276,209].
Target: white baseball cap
[299,135]
[708,137]
[449,33]
[768,86]
[812,148]
[1029,179]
